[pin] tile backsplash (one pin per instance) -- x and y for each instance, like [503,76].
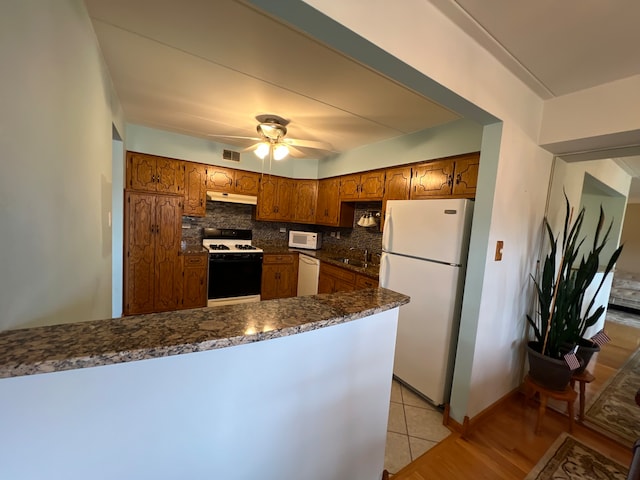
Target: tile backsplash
[233,215]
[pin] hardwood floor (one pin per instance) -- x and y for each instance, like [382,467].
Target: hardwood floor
[504,446]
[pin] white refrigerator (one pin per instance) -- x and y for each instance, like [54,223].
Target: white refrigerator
[424,254]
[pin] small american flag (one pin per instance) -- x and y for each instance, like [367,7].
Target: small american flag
[572,360]
[600,338]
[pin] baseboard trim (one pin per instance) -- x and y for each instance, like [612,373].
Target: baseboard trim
[468,424]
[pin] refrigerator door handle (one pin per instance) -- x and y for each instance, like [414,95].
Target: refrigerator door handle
[384,267]
[386,232]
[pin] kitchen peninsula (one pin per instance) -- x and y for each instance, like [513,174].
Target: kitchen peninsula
[289,388]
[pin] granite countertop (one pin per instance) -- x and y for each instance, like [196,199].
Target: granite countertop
[371,270]
[104,342]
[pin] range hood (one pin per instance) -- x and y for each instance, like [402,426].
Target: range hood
[232,198]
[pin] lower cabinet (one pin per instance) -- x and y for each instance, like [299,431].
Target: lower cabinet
[194,273]
[279,276]
[336,279]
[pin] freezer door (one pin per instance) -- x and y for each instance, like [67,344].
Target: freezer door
[427,325]
[432,229]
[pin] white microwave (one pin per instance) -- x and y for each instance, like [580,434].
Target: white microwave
[308,240]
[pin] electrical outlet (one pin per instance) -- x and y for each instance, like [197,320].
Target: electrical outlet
[333,234]
[283,230]
[338,235]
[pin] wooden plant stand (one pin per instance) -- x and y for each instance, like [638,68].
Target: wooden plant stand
[567,395]
[582,378]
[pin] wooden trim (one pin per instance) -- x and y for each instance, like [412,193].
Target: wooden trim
[469,424]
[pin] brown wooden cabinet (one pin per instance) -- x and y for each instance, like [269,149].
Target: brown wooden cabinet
[303,209]
[229,180]
[150,173]
[195,189]
[397,186]
[450,177]
[334,279]
[362,281]
[466,176]
[279,276]
[362,186]
[330,211]
[275,198]
[152,266]
[194,273]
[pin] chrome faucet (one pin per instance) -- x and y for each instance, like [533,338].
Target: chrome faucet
[366,255]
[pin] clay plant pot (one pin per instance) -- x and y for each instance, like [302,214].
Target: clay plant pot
[547,372]
[586,349]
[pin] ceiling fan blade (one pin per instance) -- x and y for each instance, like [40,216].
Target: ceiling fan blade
[309,144]
[234,137]
[250,147]
[294,152]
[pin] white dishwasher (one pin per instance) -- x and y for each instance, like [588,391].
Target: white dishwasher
[308,272]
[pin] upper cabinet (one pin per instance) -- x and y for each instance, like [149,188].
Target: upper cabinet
[275,198]
[150,173]
[228,180]
[195,189]
[466,175]
[330,211]
[362,186]
[304,200]
[455,176]
[397,186]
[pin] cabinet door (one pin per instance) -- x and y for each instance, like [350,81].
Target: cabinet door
[269,287]
[466,176]
[168,272]
[363,281]
[288,281]
[433,179]
[221,179]
[141,172]
[372,185]
[284,198]
[247,183]
[139,255]
[304,201]
[195,280]
[397,186]
[169,175]
[266,209]
[326,283]
[195,191]
[328,209]
[350,187]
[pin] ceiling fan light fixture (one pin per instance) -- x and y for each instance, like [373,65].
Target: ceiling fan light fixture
[262,150]
[272,130]
[280,151]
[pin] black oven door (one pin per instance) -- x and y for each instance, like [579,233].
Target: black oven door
[234,275]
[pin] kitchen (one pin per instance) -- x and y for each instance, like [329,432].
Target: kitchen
[251,260]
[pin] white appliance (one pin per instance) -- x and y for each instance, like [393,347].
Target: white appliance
[235,266]
[307,240]
[308,273]
[424,254]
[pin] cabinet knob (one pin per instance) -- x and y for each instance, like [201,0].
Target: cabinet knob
[458,179]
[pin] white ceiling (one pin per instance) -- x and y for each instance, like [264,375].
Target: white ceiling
[209,67]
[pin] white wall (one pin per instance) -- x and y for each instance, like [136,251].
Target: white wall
[492,330]
[311,406]
[461,136]
[55,187]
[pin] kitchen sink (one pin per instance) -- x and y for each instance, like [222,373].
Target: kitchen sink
[350,261]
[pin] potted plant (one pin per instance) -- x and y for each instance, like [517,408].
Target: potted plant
[564,314]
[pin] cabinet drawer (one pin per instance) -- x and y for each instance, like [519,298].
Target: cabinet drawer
[270,258]
[366,282]
[338,272]
[195,259]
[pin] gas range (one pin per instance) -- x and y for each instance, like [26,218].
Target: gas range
[228,240]
[235,266]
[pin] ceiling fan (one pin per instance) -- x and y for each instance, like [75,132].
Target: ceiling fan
[272,140]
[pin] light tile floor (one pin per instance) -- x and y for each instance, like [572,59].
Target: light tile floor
[414,427]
